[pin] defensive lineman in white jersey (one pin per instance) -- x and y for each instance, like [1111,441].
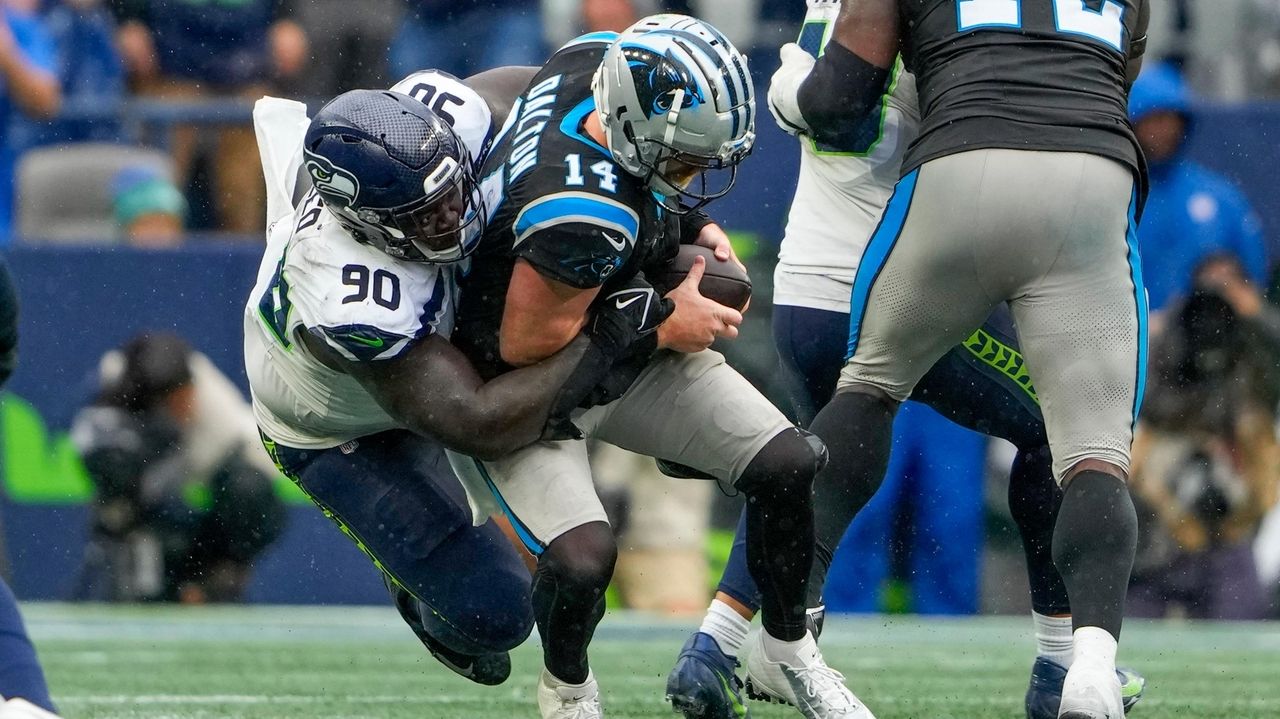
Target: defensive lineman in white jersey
[355,385]
[840,196]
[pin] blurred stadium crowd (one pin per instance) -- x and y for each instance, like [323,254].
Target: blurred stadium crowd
[128,122]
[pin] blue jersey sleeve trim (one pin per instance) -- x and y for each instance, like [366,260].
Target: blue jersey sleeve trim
[577,207]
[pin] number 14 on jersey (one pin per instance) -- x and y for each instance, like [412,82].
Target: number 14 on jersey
[1073,17]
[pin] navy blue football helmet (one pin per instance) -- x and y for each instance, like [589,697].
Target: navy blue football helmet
[396,176]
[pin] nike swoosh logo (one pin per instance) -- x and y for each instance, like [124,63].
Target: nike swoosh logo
[623,305]
[618,245]
[374,343]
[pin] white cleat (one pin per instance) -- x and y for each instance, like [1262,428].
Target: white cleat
[563,701]
[1091,691]
[22,709]
[811,686]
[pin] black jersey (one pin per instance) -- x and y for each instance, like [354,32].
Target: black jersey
[567,208]
[1021,74]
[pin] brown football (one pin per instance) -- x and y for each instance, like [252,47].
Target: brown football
[723,282]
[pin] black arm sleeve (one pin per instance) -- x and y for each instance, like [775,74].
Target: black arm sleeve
[838,95]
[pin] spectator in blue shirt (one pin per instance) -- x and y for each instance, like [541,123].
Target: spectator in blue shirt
[88,67]
[1192,212]
[28,88]
[468,36]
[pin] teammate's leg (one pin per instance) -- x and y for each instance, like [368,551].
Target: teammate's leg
[859,565]
[462,588]
[1082,323]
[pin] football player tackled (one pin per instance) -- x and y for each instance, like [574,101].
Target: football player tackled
[614,147]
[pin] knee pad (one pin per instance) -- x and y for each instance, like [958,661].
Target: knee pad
[788,463]
[581,559]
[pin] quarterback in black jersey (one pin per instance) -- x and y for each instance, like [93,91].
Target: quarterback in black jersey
[603,165]
[1024,186]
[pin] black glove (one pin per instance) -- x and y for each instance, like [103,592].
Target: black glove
[691,226]
[622,330]
[625,321]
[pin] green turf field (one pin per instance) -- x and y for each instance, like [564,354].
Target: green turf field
[360,662]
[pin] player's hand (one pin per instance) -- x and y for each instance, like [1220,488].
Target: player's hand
[697,321]
[784,89]
[627,315]
[714,238]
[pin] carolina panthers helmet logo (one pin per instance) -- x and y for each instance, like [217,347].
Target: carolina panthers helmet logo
[333,182]
[658,77]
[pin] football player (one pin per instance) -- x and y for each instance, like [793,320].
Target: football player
[356,388]
[610,150]
[1024,185]
[982,384]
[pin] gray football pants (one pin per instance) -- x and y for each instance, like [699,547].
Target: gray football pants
[1052,233]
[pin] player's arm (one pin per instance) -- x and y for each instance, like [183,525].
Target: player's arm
[500,87]
[433,389]
[1138,43]
[541,316]
[828,98]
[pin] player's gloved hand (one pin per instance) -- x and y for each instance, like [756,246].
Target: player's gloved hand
[627,316]
[622,330]
[784,89]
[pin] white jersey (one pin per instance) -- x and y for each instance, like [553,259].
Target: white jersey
[314,277]
[839,198]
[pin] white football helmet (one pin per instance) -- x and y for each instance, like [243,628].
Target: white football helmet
[676,101]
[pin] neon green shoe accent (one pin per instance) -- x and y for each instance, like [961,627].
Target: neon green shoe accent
[739,709]
[1132,688]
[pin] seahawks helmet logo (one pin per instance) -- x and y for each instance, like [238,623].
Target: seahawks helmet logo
[658,77]
[334,183]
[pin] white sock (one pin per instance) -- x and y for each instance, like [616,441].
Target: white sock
[726,626]
[796,653]
[1053,638]
[1095,645]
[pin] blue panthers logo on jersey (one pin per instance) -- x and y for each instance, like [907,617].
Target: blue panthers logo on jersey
[332,181]
[658,77]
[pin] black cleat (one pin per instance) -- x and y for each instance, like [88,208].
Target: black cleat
[487,669]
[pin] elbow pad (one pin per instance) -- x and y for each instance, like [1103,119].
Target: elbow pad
[838,95]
